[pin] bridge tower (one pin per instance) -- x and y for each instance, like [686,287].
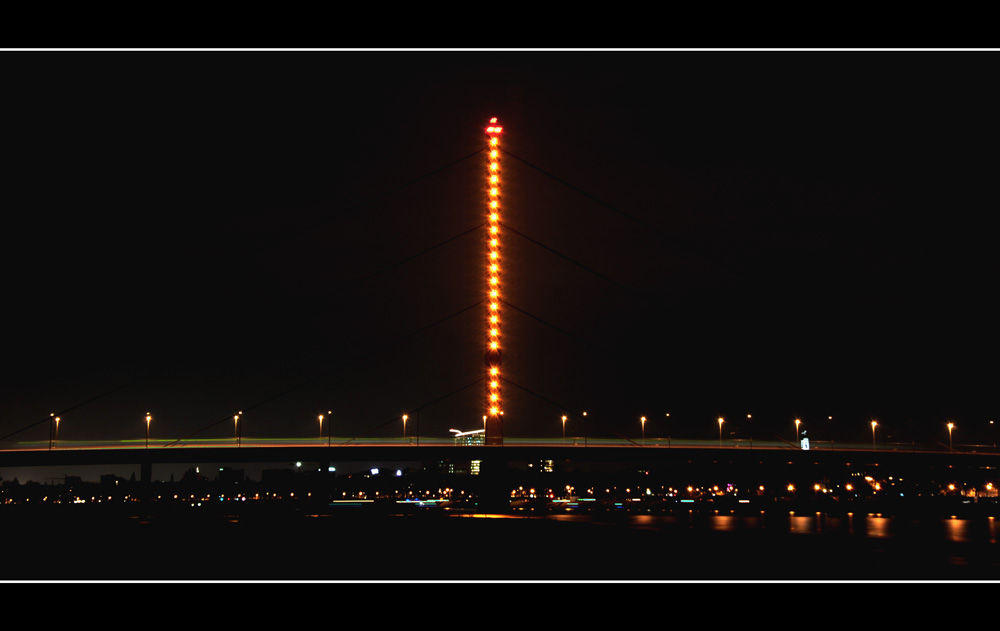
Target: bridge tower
[493,419]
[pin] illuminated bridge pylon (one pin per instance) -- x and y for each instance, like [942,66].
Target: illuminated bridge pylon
[493,417]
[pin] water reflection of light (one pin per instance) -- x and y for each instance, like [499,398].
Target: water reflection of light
[733,522]
[724,522]
[643,521]
[801,523]
[956,529]
[877,526]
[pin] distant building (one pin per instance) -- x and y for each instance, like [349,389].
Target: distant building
[462,467]
[467,467]
[475,437]
[231,476]
[193,475]
[110,479]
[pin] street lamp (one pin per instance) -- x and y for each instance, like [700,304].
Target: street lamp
[53,430]
[797,422]
[564,427]
[951,426]
[404,425]
[642,422]
[668,430]
[148,419]
[720,431]
[873,435]
[236,426]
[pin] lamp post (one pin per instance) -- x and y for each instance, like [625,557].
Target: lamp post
[873,435]
[642,423]
[951,426]
[404,427]
[720,431]
[236,426]
[564,427]
[668,430]
[797,422]
[148,419]
[53,430]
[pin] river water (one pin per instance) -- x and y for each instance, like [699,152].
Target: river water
[344,544]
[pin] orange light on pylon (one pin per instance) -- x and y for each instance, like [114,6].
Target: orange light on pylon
[493,399]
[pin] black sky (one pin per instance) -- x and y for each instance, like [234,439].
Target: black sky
[701,233]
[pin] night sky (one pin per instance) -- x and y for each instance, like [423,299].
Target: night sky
[786,234]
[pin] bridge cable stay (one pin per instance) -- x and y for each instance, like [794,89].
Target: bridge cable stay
[420,407]
[402,261]
[546,323]
[563,408]
[673,239]
[471,231]
[384,194]
[578,263]
[387,193]
[604,350]
[414,333]
[330,372]
[432,248]
[601,202]
[393,265]
[122,386]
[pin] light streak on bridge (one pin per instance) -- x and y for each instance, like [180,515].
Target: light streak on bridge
[569,443]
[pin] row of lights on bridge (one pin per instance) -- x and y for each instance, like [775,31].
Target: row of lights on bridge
[642,420]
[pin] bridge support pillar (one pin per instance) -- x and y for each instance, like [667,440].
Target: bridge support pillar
[494,431]
[494,492]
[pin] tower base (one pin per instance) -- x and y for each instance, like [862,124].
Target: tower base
[494,431]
